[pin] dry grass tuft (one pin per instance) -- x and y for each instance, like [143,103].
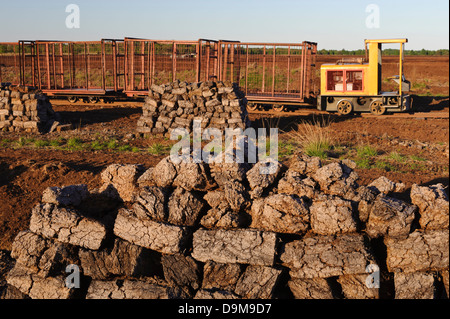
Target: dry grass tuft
[315,139]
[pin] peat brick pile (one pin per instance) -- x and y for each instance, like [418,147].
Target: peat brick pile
[195,230]
[176,105]
[25,109]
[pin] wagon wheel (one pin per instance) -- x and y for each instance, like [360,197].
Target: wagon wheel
[252,106]
[278,108]
[93,99]
[72,99]
[377,107]
[344,107]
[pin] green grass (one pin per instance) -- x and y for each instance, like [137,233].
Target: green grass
[318,151]
[41,143]
[417,158]
[56,143]
[419,86]
[363,163]
[124,148]
[157,149]
[318,148]
[397,157]
[23,141]
[75,143]
[366,151]
[98,145]
[112,144]
[417,166]
[285,149]
[5,142]
[385,166]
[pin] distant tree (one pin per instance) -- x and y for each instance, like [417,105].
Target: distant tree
[386,52]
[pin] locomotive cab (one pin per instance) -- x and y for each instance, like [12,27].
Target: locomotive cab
[354,85]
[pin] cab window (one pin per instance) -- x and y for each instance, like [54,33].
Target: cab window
[345,81]
[353,81]
[335,80]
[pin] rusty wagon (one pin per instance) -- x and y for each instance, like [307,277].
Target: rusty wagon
[269,73]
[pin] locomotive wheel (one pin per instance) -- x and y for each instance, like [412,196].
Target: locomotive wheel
[72,99]
[252,106]
[344,107]
[278,108]
[377,108]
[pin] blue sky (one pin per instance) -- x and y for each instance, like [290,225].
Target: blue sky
[333,24]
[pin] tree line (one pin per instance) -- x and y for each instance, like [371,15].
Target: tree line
[166,49]
[441,52]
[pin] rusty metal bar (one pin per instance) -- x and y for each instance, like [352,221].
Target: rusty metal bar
[115,65]
[288,69]
[103,64]
[142,65]
[126,65]
[148,64]
[47,59]
[54,66]
[302,77]
[208,55]
[225,63]
[216,62]
[273,71]
[61,64]
[264,70]
[72,57]
[246,71]
[15,60]
[132,67]
[85,66]
[174,61]
[232,62]
[307,68]
[21,62]
[219,59]
[89,66]
[38,58]
[312,50]
[33,64]
[198,57]
[153,62]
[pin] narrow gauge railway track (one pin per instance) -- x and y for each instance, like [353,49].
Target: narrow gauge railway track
[443,114]
[310,112]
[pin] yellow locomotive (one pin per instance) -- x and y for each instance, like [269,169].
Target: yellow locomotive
[355,84]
